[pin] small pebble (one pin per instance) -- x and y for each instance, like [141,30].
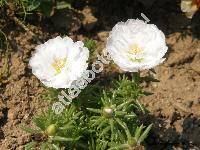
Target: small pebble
[189,104]
[196,102]
[1,115]
[23,139]
[155,85]
[12,115]
[103,35]
[179,100]
[89,20]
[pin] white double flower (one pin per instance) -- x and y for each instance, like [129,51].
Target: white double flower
[135,45]
[59,61]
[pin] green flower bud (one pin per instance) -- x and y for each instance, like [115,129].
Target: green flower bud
[51,130]
[108,112]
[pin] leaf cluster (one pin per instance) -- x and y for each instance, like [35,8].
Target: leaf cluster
[45,7]
[96,120]
[56,131]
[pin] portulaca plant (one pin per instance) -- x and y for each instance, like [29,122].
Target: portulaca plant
[103,116]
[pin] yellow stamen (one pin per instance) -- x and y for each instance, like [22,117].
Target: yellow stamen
[135,50]
[58,64]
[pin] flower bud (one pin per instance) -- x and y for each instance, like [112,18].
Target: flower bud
[108,112]
[51,130]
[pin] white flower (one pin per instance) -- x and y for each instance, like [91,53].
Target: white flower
[134,45]
[59,61]
[189,7]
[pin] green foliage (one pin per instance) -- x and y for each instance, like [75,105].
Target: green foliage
[46,7]
[132,142]
[91,45]
[57,131]
[50,94]
[3,41]
[3,2]
[96,120]
[63,5]
[117,113]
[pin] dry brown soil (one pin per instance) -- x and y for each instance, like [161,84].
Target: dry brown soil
[174,106]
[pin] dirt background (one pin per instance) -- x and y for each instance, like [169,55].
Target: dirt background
[174,106]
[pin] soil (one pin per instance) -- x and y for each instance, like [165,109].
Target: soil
[174,106]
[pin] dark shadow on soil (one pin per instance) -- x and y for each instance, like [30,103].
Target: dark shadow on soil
[3,121]
[166,14]
[165,137]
